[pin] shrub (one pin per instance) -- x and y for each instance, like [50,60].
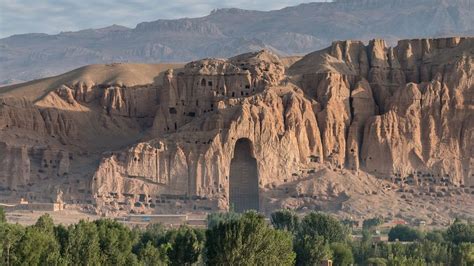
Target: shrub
[404,233]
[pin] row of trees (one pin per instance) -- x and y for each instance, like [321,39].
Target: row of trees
[406,246]
[230,239]
[409,246]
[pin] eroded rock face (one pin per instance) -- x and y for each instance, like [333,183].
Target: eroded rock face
[401,113]
[421,94]
[202,85]
[15,166]
[195,160]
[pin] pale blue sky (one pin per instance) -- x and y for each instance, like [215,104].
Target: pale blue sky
[54,16]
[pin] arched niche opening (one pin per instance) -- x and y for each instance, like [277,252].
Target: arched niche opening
[243,180]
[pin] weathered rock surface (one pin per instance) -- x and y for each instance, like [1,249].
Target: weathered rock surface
[411,106]
[164,141]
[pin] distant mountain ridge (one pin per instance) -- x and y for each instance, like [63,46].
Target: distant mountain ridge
[226,32]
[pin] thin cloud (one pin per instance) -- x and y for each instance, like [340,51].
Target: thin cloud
[54,16]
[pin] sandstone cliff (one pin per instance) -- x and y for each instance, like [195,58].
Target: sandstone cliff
[421,95]
[166,138]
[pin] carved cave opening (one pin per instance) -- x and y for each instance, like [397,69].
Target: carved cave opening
[243,181]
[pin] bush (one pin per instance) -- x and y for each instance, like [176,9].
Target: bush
[372,223]
[404,233]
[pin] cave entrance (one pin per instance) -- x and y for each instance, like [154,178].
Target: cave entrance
[243,181]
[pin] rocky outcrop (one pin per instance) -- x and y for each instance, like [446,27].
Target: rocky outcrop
[135,102]
[196,159]
[418,90]
[428,120]
[203,85]
[403,113]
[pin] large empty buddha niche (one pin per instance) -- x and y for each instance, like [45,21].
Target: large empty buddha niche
[243,183]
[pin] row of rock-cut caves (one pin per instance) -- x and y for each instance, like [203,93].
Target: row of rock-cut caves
[246,92]
[243,180]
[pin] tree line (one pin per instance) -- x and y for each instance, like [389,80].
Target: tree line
[232,239]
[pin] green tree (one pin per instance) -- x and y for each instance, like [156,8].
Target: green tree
[376,262]
[3,217]
[248,240]
[186,245]
[350,223]
[10,235]
[380,250]
[154,233]
[150,255]
[464,254]
[435,236]
[341,254]
[83,245]
[366,236]
[315,233]
[434,252]
[460,232]
[215,218]
[45,224]
[38,248]
[285,220]
[404,233]
[319,224]
[310,250]
[115,241]
[398,249]
[404,261]
[152,247]
[61,234]
[361,251]
[372,223]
